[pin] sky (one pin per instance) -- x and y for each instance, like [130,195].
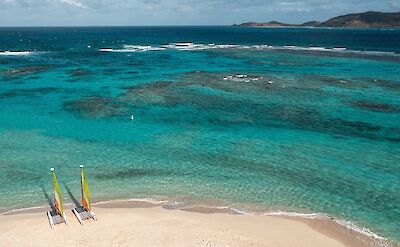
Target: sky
[178,12]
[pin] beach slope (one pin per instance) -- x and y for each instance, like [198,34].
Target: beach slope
[156,226]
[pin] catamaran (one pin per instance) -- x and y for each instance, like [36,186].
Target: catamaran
[84,211]
[57,214]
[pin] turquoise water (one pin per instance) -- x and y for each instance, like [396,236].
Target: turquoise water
[319,131]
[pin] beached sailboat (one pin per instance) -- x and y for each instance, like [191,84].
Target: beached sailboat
[57,215]
[84,211]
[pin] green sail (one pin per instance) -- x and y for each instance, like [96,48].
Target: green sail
[85,191]
[58,203]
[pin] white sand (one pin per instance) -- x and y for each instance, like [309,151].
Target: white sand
[156,226]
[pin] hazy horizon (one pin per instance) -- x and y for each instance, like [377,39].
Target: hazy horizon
[51,13]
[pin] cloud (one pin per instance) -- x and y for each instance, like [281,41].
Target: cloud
[74,3]
[394,5]
[26,4]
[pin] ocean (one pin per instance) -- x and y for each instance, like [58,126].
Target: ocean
[260,120]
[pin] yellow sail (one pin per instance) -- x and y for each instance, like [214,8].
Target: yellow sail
[85,196]
[58,204]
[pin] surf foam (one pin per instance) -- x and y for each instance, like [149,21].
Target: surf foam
[189,46]
[16,53]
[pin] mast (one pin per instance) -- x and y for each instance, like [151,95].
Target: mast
[58,203]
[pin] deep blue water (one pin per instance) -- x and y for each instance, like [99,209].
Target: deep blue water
[57,38]
[318,131]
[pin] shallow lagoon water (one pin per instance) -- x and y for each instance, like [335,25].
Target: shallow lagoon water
[323,137]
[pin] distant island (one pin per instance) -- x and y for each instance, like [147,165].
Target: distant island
[361,20]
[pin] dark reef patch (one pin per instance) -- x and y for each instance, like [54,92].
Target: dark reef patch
[132,72]
[336,81]
[374,106]
[14,73]
[206,99]
[126,173]
[387,84]
[313,120]
[79,72]
[17,82]
[221,111]
[33,92]
[216,81]
[342,126]
[111,71]
[95,107]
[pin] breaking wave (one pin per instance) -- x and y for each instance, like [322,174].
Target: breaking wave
[17,53]
[348,224]
[189,46]
[133,48]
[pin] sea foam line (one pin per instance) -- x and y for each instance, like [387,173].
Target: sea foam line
[346,223]
[189,46]
[16,53]
[21,53]
[181,205]
[22,209]
[149,200]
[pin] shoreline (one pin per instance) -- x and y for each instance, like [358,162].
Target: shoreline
[345,232]
[322,28]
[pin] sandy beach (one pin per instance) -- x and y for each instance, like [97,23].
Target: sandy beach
[145,224]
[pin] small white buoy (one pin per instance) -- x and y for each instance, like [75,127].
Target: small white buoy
[52,169]
[132,117]
[89,46]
